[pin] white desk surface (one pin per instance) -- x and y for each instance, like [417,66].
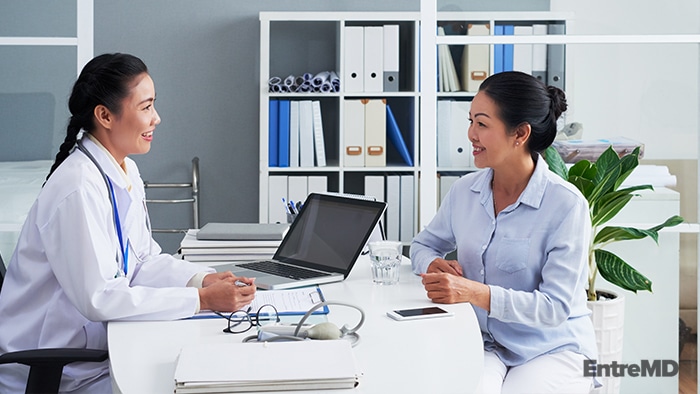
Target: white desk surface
[421,356]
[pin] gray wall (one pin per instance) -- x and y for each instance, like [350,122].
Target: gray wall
[204,58]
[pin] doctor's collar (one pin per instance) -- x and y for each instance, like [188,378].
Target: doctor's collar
[120,169]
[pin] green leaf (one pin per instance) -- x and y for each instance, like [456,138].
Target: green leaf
[606,162]
[627,164]
[585,186]
[604,186]
[670,222]
[606,210]
[618,272]
[613,233]
[555,162]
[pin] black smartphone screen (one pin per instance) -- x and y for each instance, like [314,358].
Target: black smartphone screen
[420,311]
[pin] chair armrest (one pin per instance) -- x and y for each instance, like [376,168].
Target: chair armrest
[53,356]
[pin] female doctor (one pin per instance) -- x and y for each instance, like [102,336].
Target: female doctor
[85,255]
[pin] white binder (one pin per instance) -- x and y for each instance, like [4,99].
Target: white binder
[460,147]
[391,58]
[297,188]
[444,120]
[353,64]
[539,54]
[555,59]
[317,184]
[374,187]
[406,232]
[453,146]
[393,206]
[448,81]
[475,59]
[374,58]
[276,212]
[354,133]
[375,133]
[294,133]
[446,182]
[522,53]
[306,134]
[319,140]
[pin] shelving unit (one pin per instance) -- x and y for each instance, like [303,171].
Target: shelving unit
[430,190]
[312,42]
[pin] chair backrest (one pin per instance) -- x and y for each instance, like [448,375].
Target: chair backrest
[2,271]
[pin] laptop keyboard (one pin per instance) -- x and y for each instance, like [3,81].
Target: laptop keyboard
[287,271]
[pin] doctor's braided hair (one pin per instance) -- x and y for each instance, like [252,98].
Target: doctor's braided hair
[522,98]
[103,81]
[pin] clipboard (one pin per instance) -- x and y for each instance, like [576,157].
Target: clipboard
[288,302]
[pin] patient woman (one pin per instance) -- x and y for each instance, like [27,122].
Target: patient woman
[521,234]
[85,255]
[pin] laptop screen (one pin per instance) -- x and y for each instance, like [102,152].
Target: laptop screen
[330,232]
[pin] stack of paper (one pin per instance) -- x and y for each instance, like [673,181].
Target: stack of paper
[266,366]
[657,176]
[196,250]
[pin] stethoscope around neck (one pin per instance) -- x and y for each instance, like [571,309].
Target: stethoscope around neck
[123,245]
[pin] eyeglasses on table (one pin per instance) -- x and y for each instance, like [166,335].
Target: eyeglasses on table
[241,321]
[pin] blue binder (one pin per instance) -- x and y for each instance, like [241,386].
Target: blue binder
[395,136]
[498,51]
[273,134]
[508,30]
[283,148]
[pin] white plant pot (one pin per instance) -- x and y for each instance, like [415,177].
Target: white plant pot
[608,318]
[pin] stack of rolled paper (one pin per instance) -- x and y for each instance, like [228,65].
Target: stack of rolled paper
[322,82]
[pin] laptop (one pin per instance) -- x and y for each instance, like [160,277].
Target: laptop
[321,246]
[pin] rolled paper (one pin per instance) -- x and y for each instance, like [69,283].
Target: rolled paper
[334,77]
[320,78]
[289,81]
[304,87]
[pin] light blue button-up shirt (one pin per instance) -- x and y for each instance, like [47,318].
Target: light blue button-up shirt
[533,256]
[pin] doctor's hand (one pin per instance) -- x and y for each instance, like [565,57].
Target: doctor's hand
[446,266]
[443,288]
[227,275]
[224,295]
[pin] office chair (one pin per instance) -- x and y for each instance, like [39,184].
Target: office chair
[46,365]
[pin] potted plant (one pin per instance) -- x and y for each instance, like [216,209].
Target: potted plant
[600,183]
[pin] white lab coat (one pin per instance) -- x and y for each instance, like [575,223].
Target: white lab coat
[61,288]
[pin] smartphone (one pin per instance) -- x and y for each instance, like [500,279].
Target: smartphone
[418,313]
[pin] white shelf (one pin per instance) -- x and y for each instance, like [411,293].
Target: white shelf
[405,103]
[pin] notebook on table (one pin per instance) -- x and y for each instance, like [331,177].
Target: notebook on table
[321,245]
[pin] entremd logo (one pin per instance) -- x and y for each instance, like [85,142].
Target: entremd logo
[657,368]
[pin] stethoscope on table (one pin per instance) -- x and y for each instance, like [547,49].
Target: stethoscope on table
[123,244]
